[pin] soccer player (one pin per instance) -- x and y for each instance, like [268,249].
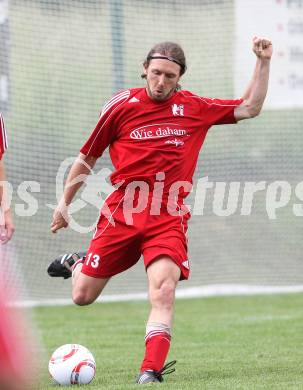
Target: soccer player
[6,222]
[154,135]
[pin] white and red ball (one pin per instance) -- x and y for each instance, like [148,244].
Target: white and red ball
[72,364]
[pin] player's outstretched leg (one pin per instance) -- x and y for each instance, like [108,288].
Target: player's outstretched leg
[63,265]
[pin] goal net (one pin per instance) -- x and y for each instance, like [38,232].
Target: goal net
[60,61]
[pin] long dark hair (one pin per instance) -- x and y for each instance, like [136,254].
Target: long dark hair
[172,51]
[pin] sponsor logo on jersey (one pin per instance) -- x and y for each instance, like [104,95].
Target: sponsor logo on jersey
[175,141]
[158,131]
[177,110]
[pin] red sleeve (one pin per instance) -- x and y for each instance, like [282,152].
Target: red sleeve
[3,137]
[219,111]
[105,131]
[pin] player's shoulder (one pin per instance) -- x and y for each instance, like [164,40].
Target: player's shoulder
[207,101]
[194,98]
[119,99]
[188,95]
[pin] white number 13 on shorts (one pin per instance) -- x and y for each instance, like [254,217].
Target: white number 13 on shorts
[92,260]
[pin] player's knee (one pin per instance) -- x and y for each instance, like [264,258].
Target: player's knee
[164,295]
[82,298]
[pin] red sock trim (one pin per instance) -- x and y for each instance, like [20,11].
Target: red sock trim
[157,346]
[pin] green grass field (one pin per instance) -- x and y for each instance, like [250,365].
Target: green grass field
[220,343]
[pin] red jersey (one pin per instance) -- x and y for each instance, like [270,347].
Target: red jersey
[3,138]
[147,137]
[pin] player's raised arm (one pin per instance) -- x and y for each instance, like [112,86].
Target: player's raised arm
[255,94]
[80,169]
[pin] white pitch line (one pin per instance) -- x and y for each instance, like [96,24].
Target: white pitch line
[190,292]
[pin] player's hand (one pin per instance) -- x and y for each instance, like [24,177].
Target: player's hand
[7,229]
[60,219]
[262,47]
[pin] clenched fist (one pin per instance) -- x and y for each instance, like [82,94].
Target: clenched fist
[262,47]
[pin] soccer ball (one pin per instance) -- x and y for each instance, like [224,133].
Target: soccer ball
[72,364]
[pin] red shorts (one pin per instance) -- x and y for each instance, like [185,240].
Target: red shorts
[118,245]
